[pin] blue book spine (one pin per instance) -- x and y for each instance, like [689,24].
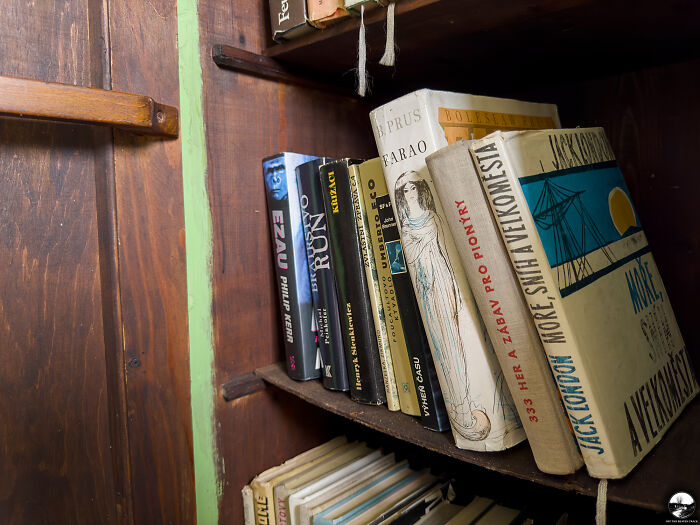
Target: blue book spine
[299,330]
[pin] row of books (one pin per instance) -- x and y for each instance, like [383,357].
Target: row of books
[349,483]
[292,18]
[542,307]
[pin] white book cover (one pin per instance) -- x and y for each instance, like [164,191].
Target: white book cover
[594,290]
[406,130]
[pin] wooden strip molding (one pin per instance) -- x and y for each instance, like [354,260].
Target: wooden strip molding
[242,386]
[52,101]
[233,58]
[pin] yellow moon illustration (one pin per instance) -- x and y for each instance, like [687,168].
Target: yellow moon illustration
[621,210]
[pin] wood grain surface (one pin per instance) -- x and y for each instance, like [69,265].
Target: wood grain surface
[26,98]
[57,462]
[248,118]
[95,422]
[152,272]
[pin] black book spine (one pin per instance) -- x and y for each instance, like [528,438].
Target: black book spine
[291,271]
[432,405]
[323,290]
[359,341]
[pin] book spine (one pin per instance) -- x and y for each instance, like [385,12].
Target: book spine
[503,309]
[288,19]
[375,297]
[263,500]
[430,403]
[248,505]
[372,187]
[323,290]
[359,341]
[291,269]
[519,233]
[480,408]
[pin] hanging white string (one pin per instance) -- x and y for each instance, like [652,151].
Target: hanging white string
[362,56]
[601,502]
[389,57]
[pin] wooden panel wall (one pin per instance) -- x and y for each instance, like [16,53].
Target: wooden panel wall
[95,423]
[247,119]
[56,462]
[152,271]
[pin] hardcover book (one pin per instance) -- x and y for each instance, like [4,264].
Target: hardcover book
[359,340]
[291,269]
[503,309]
[323,290]
[374,291]
[262,486]
[325,12]
[432,407]
[373,187]
[288,19]
[481,410]
[593,288]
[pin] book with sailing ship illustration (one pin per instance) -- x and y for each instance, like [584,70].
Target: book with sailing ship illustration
[594,290]
[503,309]
[480,408]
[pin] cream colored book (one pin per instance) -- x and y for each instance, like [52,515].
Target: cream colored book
[498,515]
[297,492]
[283,487]
[502,306]
[472,511]
[593,288]
[440,514]
[263,497]
[335,492]
[371,180]
[406,130]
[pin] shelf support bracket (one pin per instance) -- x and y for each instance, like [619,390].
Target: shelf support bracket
[35,99]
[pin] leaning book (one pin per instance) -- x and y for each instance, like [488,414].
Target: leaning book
[593,288]
[503,309]
[298,320]
[480,408]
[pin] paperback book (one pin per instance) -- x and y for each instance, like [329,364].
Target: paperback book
[291,269]
[593,288]
[480,408]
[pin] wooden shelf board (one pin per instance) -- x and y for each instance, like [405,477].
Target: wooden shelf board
[670,467]
[458,44]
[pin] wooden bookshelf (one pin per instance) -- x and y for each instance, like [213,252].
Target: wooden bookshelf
[445,43]
[632,70]
[671,465]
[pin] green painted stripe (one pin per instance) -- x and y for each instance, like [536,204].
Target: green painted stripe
[198,230]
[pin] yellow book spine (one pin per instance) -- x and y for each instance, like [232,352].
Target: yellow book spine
[373,184]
